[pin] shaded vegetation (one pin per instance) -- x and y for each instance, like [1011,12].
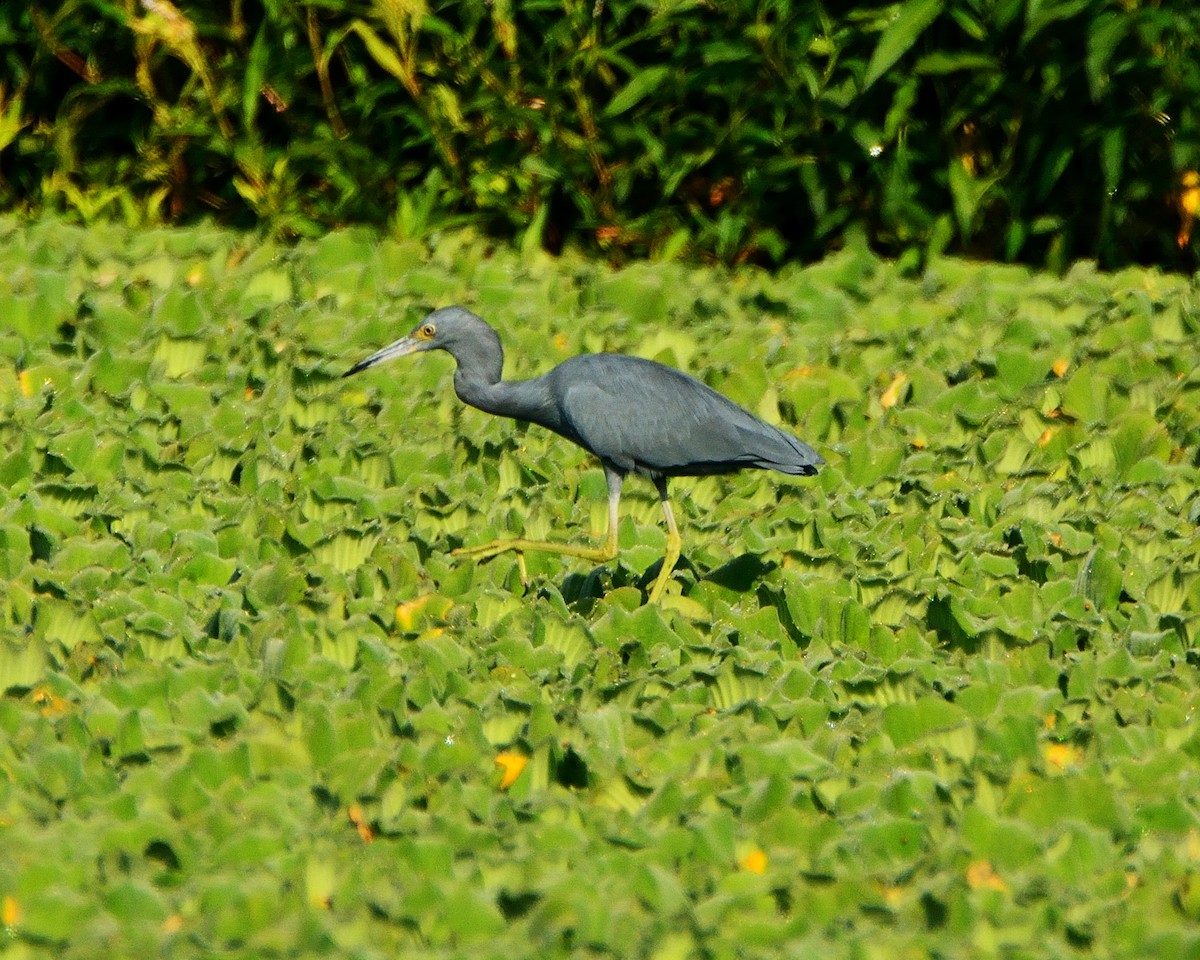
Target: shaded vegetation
[1032,131]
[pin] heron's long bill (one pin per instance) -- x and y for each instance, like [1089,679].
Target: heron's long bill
[401,348]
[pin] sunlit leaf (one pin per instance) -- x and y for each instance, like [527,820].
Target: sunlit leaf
[642,84]
[899,36]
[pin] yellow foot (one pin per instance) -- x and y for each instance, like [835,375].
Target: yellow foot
[485,551]
[668,566]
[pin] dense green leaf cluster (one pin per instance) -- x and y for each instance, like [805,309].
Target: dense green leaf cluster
[939,700]
[761,129]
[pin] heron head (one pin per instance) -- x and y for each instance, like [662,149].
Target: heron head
[438,331]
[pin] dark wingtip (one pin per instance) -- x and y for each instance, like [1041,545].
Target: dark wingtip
[355,369]
[807,467]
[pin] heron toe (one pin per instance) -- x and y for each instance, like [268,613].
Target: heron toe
[485,551]
[674,545]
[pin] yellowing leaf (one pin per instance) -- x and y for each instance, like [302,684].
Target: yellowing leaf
[891,396]
[355,812]
[408,612]
[512,765]
[10,913]
[754,862]
[1061,755]
[981,876]
[167,23]
[52,705]
[1189,204]
[1189,199]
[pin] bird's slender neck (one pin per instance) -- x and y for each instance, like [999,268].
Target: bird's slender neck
[477,381]
[480,359]
[520,399]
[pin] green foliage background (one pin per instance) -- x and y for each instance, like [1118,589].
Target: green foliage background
[1034,130]
[939,701]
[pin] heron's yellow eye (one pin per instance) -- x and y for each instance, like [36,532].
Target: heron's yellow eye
[428,330]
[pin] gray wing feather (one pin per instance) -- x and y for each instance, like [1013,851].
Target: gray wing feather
[642,415]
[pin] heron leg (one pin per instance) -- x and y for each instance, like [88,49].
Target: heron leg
[674,542]
[601,554]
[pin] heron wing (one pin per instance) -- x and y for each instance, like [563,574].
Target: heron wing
[641,415]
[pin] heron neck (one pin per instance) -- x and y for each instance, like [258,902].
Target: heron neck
[520,399]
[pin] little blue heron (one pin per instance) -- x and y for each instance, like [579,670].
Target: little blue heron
[635,415]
